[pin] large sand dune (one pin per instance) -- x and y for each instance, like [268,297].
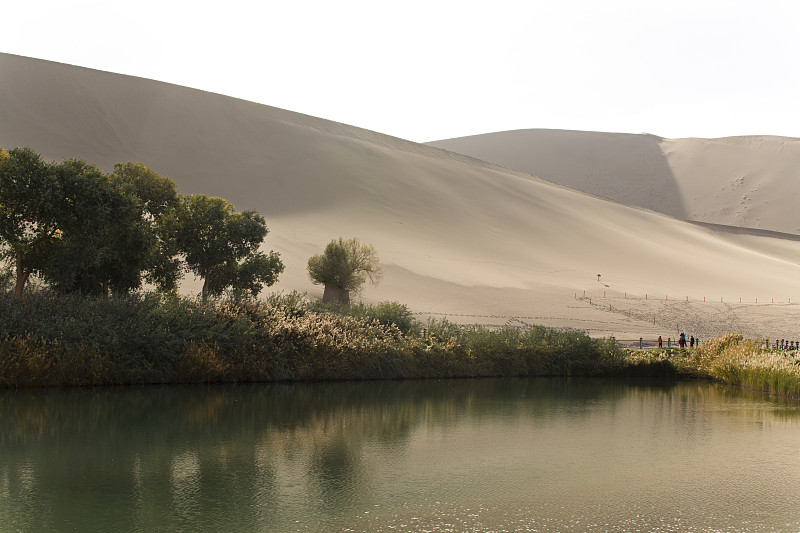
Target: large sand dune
[736,181]
[457,237]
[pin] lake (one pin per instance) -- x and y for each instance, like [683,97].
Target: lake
[485,455]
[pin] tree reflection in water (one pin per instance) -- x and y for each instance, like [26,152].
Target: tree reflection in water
[262,456]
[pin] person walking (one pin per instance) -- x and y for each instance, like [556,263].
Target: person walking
[691,341]
[682,341]
[660,342]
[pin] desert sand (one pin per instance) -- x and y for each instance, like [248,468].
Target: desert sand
[745,181]
[458,237]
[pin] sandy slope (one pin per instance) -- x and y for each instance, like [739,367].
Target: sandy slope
[736,181]
[457,237]
[739,181]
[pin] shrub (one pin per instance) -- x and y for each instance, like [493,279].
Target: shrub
[343,268]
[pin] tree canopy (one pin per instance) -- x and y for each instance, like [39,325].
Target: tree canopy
[110,230]
[82,230]
[30,207]
[220,245]
[343,268]
[155,197]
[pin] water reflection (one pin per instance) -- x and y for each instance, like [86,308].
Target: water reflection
[438,455]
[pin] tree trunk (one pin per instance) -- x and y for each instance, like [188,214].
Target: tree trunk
[22,276]
[205,286]
[336,294]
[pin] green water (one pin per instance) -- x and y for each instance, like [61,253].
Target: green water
[465,455]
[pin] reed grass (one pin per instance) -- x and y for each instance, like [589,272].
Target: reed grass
[64,340]
[49,339]
[744,362]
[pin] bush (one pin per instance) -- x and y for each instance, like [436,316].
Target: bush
[6,278]
[50,339]
[386,313]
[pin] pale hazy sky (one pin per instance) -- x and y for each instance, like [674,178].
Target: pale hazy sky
[427,69]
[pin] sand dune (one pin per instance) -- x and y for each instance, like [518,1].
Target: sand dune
[457,237]
[735,181]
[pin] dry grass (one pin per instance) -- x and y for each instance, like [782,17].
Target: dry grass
[49,340]
[73,340]
[745,363]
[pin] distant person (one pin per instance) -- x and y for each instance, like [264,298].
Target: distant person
[660,342]
[691,341]
[682,341]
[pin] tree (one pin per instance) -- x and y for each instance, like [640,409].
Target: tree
[257,269]
[112,233]
[30,204]
[99,237]
[344,267]
[83,230]
[155,194]
[220,245]
[155,197]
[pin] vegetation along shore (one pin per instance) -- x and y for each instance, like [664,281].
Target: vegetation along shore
[53,339]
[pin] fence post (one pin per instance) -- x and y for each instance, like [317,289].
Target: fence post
[669,342]
[640,343]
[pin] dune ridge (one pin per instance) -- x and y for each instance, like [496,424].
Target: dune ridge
[744,181]
[457,237]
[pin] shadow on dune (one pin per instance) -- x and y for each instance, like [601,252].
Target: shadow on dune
[627,168]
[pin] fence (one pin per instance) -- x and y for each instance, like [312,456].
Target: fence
[673,298]
[642,343]
[641,315]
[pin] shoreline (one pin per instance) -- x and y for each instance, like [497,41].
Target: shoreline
[49,340]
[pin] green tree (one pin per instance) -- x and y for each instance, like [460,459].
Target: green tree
[344,267]
[257,270]
[101,241]
[111,237]
[155,197]
[220,245]
[30,206]
[91,213]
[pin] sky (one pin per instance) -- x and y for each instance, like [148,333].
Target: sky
[426,70]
